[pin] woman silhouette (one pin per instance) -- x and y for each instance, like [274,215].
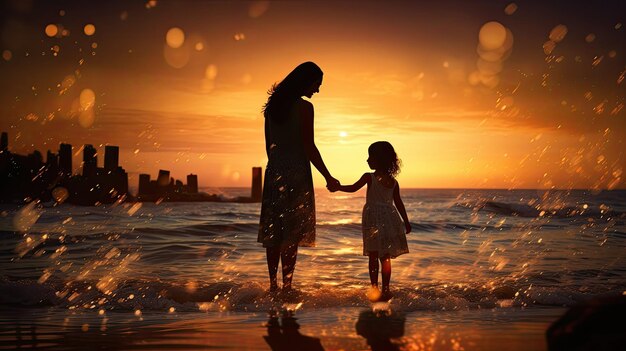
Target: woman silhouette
[288,205]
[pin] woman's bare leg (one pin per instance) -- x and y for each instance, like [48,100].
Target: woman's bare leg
[288,255]
[273,256]
[373,267]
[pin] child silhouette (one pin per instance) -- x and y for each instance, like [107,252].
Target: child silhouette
[383,235]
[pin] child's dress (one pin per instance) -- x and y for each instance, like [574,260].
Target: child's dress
[383,230]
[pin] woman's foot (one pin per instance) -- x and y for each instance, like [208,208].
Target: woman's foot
[273,288]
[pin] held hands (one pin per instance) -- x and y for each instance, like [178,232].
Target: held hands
[407,226]
[332,184]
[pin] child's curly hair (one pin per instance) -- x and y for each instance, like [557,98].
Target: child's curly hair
[386,157]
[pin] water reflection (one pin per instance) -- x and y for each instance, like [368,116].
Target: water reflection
[285,336]
[379,327]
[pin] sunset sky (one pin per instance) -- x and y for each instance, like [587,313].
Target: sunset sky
[472,94]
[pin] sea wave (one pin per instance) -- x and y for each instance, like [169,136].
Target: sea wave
[251,296]
[220,228]
[533,211]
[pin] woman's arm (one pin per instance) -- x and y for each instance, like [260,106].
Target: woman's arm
[397,200]
[365,179]
[306,114]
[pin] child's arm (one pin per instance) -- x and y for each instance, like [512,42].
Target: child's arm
[397,200]
[365,179]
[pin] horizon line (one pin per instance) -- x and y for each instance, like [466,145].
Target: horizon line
[442,188]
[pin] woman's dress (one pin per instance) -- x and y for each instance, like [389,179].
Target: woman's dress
[288,204]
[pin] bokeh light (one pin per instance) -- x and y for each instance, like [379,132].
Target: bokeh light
[7,55]
[494,47]
[492,35]
[510,8]
[558,33]
[87,99]
[210,72]
[60,194]
[548,47]
[68,81]
[175,37]
[86,118]
[489,67]
[26,217]
[89,29]
[52,30]
[176,57]
[258,8]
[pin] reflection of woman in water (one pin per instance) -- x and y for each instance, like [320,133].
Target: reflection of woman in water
[285,336]
[288,205]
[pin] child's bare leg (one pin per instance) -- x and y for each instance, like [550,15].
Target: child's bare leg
[373,266]
[288,255]
[273,256]
[385,263]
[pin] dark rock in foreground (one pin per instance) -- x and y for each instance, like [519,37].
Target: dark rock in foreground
[596,325]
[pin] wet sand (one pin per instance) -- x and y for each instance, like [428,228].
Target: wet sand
[328,328]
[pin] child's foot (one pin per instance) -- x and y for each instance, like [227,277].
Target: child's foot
[273,288]
[289,294]
[385,296]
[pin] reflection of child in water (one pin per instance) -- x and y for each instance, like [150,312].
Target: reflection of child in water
[285,336]
[379,328]
[384,237]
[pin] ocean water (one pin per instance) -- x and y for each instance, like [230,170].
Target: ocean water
[469,250]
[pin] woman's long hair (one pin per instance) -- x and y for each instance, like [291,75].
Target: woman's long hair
[283,94]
